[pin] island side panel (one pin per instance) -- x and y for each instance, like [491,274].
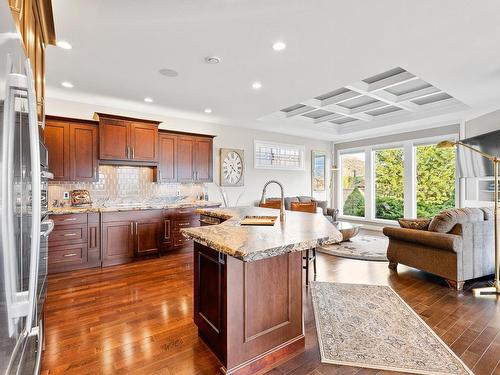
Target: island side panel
[264,308]
[210,298]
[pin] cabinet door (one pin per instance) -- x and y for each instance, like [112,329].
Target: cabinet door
[147,236]
[56,139]
[114,139]
[117,242]
[203,159]
[94,240]
[144,142]
[167,160]
[83,152]
[185,159]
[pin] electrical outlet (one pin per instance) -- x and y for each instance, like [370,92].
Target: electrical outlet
[66,195]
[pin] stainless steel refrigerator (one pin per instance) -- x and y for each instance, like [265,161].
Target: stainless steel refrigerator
[24,226]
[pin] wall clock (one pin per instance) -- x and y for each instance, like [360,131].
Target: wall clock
[231,167]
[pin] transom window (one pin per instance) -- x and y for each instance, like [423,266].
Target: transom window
[278,156]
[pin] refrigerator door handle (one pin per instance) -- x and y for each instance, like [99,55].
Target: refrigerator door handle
[35,194]
[38,331]
[49,230]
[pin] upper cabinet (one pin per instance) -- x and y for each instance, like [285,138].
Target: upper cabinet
[72,147]
[35,23]
[167,158]
[124,139]
[194,158]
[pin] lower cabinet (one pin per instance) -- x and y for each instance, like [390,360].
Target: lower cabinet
[110,238]
[74,243]
[128,234]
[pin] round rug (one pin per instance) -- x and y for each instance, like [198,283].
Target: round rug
[362,247]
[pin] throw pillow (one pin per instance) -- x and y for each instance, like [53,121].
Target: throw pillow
[419,224]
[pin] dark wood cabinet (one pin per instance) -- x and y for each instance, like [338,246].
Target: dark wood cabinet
[203,165]
[167,159]
[114,140]
[72,148]
[144,142]
[117,241]
[83,152]
[194,160]
[128,234]
[125,140]
[185,159]
[56,139]
[148,232]
[74,243]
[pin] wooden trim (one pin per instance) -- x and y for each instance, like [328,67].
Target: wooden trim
[71,119]
[130,163]
[177,132]
[46,18]
[98,116]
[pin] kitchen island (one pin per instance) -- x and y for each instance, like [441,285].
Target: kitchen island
[248,284]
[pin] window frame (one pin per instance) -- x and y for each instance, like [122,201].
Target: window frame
[409,181]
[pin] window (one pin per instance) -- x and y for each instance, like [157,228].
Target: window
[435,180]
[278,156]
[353,184]
[389,184]
[411,178]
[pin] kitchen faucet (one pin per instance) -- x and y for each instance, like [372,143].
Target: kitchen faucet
[282,206]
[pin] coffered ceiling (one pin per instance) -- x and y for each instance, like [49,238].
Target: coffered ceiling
[350,69]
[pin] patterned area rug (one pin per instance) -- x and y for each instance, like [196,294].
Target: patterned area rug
[363,247]
[371,326]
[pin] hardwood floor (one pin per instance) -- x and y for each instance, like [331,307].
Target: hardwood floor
[137,319]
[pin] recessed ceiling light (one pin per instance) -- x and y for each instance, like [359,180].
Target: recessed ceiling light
[279,46]
[168,72]
[148,100]
[208,110]
[212,59]
[256,85]
[63,44]
[66,84]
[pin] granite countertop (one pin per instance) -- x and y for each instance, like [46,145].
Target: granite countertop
[300,231]
[139,206]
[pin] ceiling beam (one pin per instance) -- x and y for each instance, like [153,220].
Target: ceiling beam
[417,94]
[394,80]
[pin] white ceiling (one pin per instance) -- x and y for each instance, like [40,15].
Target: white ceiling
[119,46]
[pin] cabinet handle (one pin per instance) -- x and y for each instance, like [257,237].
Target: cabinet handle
[69,234]
[132,228]
[183,224]
[133,152]
[127,151]
[95,172]
[71,219]
[137,235]
[69,255]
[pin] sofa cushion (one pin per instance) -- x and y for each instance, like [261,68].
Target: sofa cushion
[446,220]
[419,224]
[304,199]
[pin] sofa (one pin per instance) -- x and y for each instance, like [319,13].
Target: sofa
[458,245]
[323,205]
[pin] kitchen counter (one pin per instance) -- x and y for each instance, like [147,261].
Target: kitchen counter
[146,206]
[248,284]
[300,231]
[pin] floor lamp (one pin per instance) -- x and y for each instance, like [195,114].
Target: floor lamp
[495,289]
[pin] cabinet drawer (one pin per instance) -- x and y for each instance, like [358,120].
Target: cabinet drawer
[180,240]
[68,234]
[69,219]
[187,223]
[67,257]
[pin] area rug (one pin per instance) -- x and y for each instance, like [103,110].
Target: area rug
[371,326]
[363,247]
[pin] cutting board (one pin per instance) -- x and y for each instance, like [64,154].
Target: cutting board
[259,220]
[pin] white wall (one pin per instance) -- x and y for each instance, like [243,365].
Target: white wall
[295,182]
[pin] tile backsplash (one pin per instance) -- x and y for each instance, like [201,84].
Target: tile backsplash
[119,182]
